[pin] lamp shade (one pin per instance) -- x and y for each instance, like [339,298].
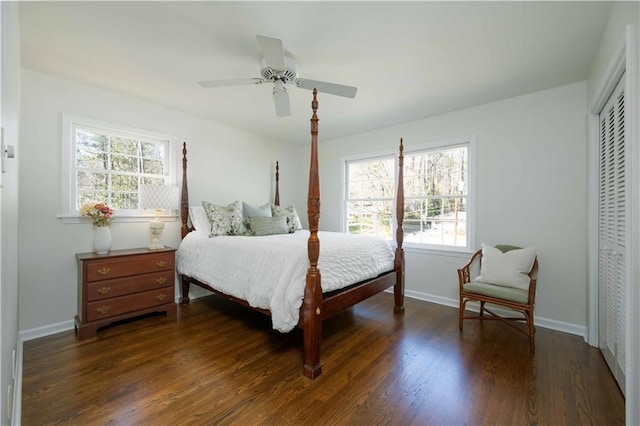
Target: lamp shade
[159,197]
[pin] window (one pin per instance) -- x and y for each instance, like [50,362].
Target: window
[108,164]
[437,199]
[435,185]
[371,191]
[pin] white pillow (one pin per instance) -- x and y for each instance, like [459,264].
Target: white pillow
[199,220]
[508,269]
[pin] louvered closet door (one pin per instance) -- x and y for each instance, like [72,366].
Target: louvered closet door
[612,231]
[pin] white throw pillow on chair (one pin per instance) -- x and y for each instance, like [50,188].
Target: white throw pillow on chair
[510,269]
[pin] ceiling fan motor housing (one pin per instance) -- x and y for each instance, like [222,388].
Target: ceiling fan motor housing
[289,75]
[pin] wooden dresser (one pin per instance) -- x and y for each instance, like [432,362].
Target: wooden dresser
[123,284]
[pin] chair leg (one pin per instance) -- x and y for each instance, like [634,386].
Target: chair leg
[481,309]
[532,332]
[461,311]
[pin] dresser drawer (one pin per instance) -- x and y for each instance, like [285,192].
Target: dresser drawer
[99,290]
[106,269]
[119,305]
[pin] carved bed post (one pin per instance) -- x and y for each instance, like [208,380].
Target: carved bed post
[277,200]
[312,313]
[398,288]
[184,216]
[184,199]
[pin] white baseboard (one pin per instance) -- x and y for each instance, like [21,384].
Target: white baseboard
[16,410]
[551,324]
[45,330]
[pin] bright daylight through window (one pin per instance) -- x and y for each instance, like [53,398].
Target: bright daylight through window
[436,185]
[110,166]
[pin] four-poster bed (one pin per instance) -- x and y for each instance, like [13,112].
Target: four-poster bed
[316,306]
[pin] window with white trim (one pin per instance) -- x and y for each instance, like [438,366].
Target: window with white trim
[370,195]
[108,163]
[437,197]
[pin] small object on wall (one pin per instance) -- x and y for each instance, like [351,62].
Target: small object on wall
[158,198]
[8,151]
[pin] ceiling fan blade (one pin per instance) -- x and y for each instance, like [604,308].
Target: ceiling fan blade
[281,98]
[232,82]
[272,51]
[331,88]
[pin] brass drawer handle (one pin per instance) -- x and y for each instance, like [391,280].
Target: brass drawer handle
[104,271]
[104,309]
[161,264]
[161,297]
[103,290]
[161,280]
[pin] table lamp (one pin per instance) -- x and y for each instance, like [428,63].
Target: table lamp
[158,198]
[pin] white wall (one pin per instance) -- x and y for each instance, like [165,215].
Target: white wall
[531,191]
[9,199]
[622,13]
[225,164]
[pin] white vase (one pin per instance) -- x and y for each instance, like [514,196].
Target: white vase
[102,239]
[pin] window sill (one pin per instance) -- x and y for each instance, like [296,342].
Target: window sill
[461,253]
[143,218]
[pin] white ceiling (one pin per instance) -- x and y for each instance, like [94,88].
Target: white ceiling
[408,59]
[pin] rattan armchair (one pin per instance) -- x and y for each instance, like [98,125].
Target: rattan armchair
[520,301]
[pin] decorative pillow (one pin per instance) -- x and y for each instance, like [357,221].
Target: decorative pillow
[508,269]
[262,211]
[199,219]
[225,220]
[268,225]
[293,221]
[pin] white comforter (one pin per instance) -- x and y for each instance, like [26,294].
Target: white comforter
[270,272]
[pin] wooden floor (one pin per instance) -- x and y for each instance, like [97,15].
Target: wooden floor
[222,364]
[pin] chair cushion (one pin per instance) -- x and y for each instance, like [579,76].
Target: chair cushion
[509,269]
[500,292]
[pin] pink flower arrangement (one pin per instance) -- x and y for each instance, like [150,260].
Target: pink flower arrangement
[100,213]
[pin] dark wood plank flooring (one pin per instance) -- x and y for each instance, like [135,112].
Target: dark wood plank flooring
[219,363]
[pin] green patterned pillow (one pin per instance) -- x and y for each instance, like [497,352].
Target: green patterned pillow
[293,221]
[261,226]
[225,220]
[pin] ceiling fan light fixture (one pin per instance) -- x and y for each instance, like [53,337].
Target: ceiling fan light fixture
[288,75]
[281,99]
[279,87]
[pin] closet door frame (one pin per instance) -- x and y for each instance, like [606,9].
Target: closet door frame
[613,241]
[624,59]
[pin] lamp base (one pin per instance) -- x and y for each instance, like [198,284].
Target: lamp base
[155,230]
[155,245]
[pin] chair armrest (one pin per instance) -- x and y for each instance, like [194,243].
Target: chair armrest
[533,279]
[464,273]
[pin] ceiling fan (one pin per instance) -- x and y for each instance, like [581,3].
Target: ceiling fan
[282,70]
